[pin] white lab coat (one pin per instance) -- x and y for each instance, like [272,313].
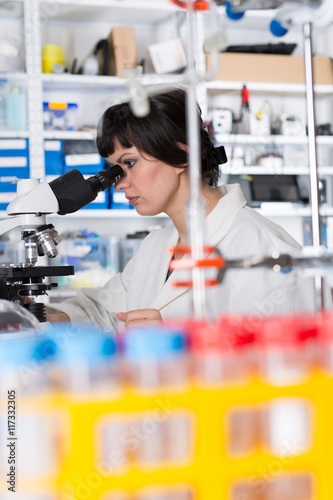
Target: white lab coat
[237,231]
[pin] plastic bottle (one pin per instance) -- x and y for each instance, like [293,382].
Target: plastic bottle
[170,493]
[220,351]
[15,110]
[3,92]
[87,363]
[285,349]
[156,358]
[287,426]
[325,344]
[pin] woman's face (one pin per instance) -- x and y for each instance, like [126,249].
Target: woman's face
[150,185]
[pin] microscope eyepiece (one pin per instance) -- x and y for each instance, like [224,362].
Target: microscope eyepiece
[73,191]
[105,178]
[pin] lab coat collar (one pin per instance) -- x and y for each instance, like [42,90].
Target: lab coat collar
[217,225]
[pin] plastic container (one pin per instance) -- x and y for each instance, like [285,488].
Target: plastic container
[221,351]
[59,115]
[168,440]
[286,349]
[155,358]
[110,433]
[36,448]
[86,363]
[325,344]
[96,260]
[286,427]
[51,54]
[242,431]
[20,370]
[15,109]
[296,486]
[3,92]
[173,492]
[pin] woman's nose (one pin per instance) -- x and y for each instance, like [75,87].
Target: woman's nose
[122,183]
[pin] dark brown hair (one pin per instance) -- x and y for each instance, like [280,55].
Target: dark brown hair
[159,134]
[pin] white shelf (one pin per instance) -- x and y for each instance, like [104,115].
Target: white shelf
[283,140]
[19,76]
[14,134]
[115,11]
[68,134]
[284,170]
[11,9]
[267,88]
[297,211]
[68,81]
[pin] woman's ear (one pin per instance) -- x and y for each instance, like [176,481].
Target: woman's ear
[184,147]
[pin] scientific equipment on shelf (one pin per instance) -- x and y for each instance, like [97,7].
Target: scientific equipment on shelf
[59,115]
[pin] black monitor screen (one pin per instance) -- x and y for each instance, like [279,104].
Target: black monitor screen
[275,188]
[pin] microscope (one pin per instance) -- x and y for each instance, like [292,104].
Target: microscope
[66,194]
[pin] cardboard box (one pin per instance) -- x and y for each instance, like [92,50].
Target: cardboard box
[122,50]
[270,68]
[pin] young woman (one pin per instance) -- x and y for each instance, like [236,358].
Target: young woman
[152,151]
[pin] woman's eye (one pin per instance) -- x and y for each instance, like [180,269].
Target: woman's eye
[130,163]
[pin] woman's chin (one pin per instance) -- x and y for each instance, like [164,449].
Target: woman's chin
[147,212]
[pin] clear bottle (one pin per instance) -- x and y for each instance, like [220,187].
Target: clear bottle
[220,354]
[20,336]
[15,109]
[87,362]
[287,426]
[167,493]
[242,431]
[325,343]
[168,440]
[291,487]
[3,92]
[155,358]
[285,349]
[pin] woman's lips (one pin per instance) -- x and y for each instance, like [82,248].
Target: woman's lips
[133,200]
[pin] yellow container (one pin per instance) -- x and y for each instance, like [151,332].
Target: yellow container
[51,54]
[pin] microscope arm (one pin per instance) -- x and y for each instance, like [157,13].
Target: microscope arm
[28,221]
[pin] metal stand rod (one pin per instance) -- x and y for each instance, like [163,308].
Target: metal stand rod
[314,191]
[196,209]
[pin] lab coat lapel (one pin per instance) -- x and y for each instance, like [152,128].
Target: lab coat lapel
[217,225]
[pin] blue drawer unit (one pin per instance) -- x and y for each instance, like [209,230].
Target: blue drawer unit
[7,191]
[54,159]
[14,158]
[89,163]
[119,201]
[102,202]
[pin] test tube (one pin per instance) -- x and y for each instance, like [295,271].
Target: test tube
[170,441]
[112,439]
[285,350]
[155,358]
[182,492]
[87,363]
[242,431]
[20,369]
[287,427]
[220,354]
[291,487]
[297,486]
[34,445]
[325,343]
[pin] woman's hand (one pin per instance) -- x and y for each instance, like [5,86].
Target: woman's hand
[141,317]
